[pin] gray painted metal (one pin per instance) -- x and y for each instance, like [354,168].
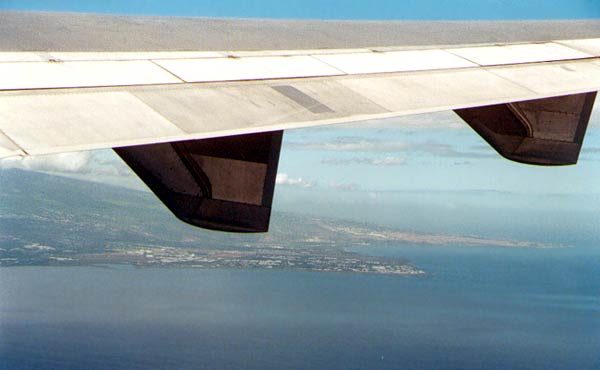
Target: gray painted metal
[41,31]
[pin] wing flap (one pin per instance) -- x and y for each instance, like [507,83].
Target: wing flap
[56,122]
[553,79]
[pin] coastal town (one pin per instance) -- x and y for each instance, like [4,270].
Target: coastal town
[250,258]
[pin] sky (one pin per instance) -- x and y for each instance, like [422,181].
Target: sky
[328,9]
[374,167]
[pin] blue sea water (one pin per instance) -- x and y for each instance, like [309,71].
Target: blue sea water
[479,308]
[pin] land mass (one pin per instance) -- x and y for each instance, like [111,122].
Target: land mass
[52,220]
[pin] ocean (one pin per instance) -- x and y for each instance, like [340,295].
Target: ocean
[478,308]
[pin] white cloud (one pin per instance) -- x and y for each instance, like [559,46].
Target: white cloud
[284,179]
[98,163]
[62,163]
[102,166]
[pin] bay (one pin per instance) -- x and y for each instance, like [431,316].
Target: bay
[477,308]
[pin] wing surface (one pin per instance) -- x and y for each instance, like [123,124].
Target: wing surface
[163,91]
[82,101]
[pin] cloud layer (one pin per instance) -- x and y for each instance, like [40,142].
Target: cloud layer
[386,161]
[62,163]
[370,145]
[83,163]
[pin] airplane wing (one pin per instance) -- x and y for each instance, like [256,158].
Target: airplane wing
[197,107]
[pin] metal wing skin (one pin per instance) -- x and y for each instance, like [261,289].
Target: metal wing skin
[197,107]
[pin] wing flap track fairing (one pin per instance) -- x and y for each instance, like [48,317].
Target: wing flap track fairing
[546,132]
[224,183]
